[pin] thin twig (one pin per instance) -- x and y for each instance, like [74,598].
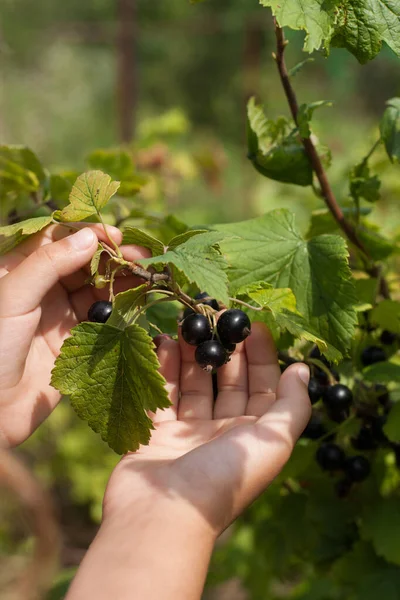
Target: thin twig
[318,168]
[245,304]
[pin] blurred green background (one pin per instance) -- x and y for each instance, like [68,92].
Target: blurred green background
[174,78]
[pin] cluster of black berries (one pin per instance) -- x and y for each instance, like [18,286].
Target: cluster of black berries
[332,458]
[214,346]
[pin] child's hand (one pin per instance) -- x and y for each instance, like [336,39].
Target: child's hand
[206,462]
[42,295]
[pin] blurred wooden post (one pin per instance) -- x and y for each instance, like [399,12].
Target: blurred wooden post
[126,69]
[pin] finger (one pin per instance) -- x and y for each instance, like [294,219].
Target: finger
[169,355]
[196,399]
[232,386]
[263,370]
[22,290]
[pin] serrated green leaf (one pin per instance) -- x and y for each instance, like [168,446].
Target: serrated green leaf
[12,235]
[315,18]
[273,151]
[390,129]
[270,249]
[125,306]
[382,372]
[94,263]
[198,261]
[362,25]
[112,379]
[183,237]
[305,115]
[381,525]
[387,315]
[392,425]
[89,194]
[138,237]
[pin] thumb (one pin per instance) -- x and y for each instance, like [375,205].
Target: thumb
[22,290]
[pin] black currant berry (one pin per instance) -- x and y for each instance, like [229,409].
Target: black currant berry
[211,355]
[196,329]
[233,326]
[372,355]
[321,376]
[230,348]
[315,428]
[330,457]
[343,487]
[205,300]
[316,353]
[335,375]
[387,338]
[357,468]
[314,390]
[365,439]
[337,397]
[100,311]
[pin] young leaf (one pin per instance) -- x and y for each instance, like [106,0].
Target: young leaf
[91,191]
[381,525]
[134,235]
[12,235]
[112,379]
[94,263]
[266,296]
[270,249]
[390,129]
[198,261]
[305,115]
[183,237]
[125,305]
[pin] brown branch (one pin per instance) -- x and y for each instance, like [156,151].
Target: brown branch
[318,168]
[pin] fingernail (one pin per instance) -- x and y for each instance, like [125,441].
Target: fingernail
[304,373]
[83,239]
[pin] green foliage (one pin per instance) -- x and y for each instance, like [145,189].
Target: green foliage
[111,376]
[12,235]
[390,129]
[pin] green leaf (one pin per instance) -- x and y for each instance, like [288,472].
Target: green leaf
[198,261]
[125,306]
[362,25]
[383,583]
[297,68]
[270,249]
[60,187]
[90,193]
[118,164]
[94,263]
[378,246]
[366,291]
[267,297]
[387,315]
[363,185]
[12,235]
[381,525]
[322,220]
[138,237]
[305,115]
[20,169]
[390,129]
[165,317]
[382,372]
[112,379]
[273,151]
[315,17]
[392,425]
[183,237]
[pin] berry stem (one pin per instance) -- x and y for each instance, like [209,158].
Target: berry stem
[327,193]
[246,304]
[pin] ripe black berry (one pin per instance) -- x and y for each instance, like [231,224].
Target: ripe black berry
[330,457]
[365,439]
[321,376]
[337,397]
[196,329]
[100,311]
[211,355]
[315,428]
[230,348]
[205,300]
[388,338]
[338,415]
[357,468]
[314,390]
[372,355]
[233,326]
